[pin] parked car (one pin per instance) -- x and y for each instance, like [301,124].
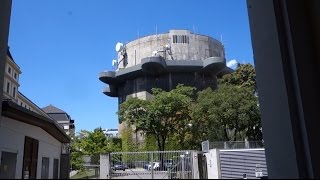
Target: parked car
[148,166]
[167,163]
[119,166]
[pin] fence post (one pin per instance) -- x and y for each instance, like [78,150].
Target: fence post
[182,166]
[152,175]
[195,165]
[105,166]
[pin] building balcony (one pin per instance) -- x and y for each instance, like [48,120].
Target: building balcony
[111,91]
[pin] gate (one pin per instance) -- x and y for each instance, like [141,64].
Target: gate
[152,165]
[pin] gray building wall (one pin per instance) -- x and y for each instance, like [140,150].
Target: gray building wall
[235,163]
[192,47]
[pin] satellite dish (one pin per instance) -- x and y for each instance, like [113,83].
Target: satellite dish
[114,62]
[119,46]
[154,53]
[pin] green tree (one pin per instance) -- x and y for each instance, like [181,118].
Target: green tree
[115,144]
[76,154]
[150,143]
[244,76]
[128,144]
[162,115]
[229,113]
[92,143]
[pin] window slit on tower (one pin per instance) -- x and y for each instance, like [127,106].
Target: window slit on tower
[184,39]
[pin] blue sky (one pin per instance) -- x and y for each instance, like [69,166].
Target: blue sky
[62,45]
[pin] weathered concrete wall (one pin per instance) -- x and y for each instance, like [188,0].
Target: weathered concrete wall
[104,166]
[198,47]
[213,167]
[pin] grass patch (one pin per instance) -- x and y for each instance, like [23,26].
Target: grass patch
[86,174]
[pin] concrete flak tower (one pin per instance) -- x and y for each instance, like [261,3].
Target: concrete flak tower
[164,61]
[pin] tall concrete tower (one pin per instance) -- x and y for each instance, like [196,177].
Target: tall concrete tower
[164,61]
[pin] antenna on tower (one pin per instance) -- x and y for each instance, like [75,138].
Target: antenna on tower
[194,29]
[157,30]
[115,63]
[156,35]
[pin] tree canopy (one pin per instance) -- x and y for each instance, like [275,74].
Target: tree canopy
[162,115]
[92,143]
[229,113]
[244,76]
[182,118]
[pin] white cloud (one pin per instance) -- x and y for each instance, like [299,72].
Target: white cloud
[232,63]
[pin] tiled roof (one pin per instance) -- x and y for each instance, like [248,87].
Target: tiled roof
[51,109]
[18,113]
[9,54]
[59,116]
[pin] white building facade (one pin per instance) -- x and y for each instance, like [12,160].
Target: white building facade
[31,142]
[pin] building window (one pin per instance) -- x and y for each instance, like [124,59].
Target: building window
[56,169]
[45,168]
[180,39]
[8,165]
[8,87]
[15,75]
[174,38]
[9,70]
[14,92]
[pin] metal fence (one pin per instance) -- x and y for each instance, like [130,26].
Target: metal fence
[151,165]
[236,145]
[91,165]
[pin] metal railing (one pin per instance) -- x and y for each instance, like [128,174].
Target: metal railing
[236,145]
[151,165]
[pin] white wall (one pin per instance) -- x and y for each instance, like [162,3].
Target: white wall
[12,135]
[213,164]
